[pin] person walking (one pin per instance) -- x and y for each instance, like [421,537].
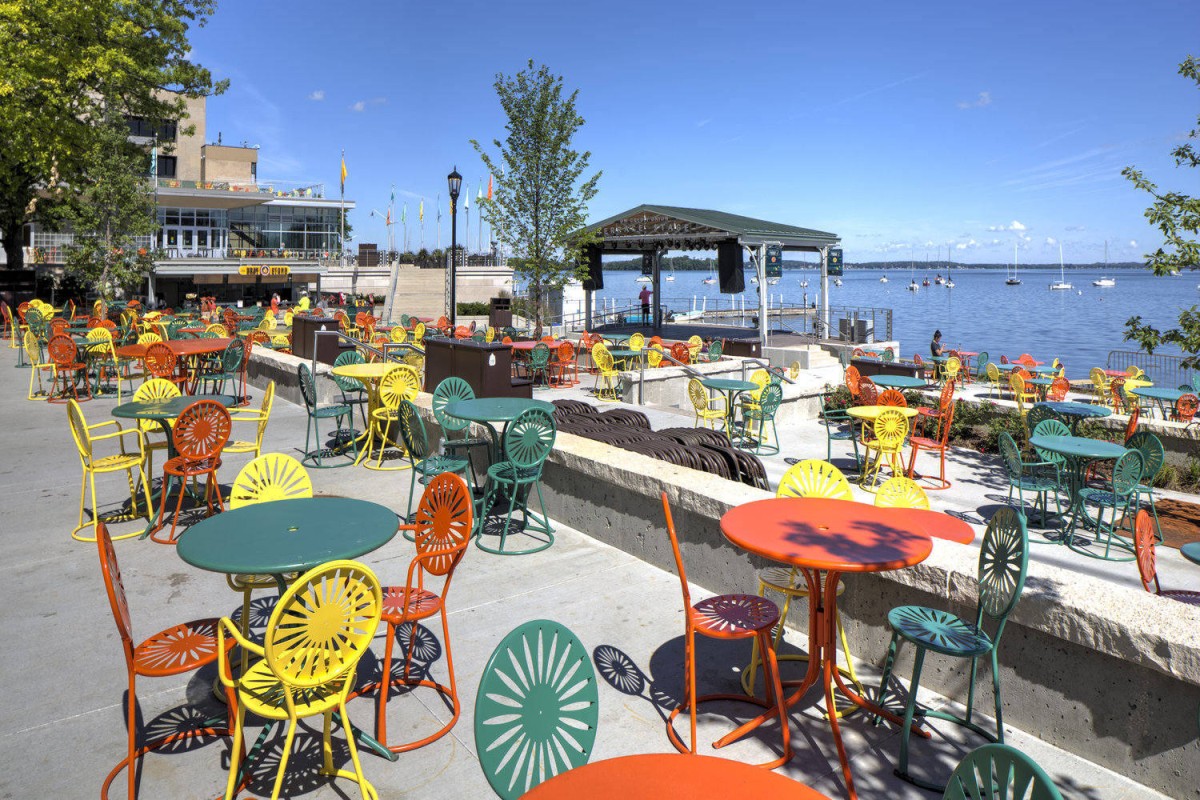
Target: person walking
[645,296]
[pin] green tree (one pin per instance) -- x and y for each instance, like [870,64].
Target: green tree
[109,208]
[1177,215]
[540,202]
[65,67]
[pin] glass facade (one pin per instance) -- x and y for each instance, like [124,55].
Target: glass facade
[284,227]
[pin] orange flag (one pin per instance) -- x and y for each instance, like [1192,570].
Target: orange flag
[489,187]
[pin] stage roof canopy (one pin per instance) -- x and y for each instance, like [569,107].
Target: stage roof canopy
[650,227]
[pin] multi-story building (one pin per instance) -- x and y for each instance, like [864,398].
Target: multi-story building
[222,231]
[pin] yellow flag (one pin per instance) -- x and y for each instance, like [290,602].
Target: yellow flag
[343,171]
[421,211]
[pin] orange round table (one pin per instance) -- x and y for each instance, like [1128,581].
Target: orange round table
[186,350]
[662,775]
[823,539]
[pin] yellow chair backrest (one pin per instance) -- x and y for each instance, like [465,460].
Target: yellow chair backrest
[637,341]
[218,329]
[762,378]
[489,335]
[901,492]
[813,477]
[1099,379]
[951,368]
[602,358]
[695,344]
[654,356]
[79,432]
[398,334]
[147,338]
[1131,370]
[891,426]
[280,340]
[99,342]
[32,351]
[418,332]
[268,323]
[401,382]
[154,389]
[697,394]
[271,476]
[794,370]
[287,318]
[993,372]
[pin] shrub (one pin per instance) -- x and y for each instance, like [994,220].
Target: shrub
[474,309]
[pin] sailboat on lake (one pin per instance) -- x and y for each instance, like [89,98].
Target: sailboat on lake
[1061,283]
[1012,279]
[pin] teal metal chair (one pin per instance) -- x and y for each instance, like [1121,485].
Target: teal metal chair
[839,426]
[527,442]
[354,393]
[226,369]
[1121,499]
[448,391]
[1029,476]
[537,708]
[981,362]
[999,772]
[317,458]
[539,363]
[758,417]
[1153,456]
[715,350]
[1003,564]
[422,460]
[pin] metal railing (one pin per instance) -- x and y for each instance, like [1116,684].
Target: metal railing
[358,345]
[1165,370]
[763,365]
[846,323]
[274,188]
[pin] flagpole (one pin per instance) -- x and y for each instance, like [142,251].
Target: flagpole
[342,235]
[439,221]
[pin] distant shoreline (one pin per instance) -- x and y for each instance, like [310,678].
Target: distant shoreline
[798,266]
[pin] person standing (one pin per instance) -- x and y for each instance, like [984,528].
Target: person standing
[935,351]
[645,296]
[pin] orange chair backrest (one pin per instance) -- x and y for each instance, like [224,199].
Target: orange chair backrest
[566,352]
[947,396]
[159,360]
[506,340]
[681,353]
[683,582]
[1131,426]
[1185,407]
[891,397]
[1058,389]
[62,350]
[868,392]
[462,332]
[1003,359]
[442,323]
[201,430]
[548,339]
[1143,546]
[441,527]
[917,359]
[115,588]
[1116,386]
[853,381]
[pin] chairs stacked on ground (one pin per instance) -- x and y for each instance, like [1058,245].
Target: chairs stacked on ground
[422,460]
[442,531]
[1120,498]
[126,460]
[338,412]
[69,370]
[1145,536]
[937,446]
[259,417]
[808,478]
[398,384]
[1003,564]
[901,492]
[198,436]
[320,628]
[607,376]
[178,650]
[728,617]
[708,410]
[528,440]
[886,439]
[1038,477]
[524,717]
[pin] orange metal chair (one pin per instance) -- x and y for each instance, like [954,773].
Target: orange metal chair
[868,392]
[937,446]
[1145,536]
[891,397]
[199,434]
[567,364]
[442,528]
[174,651]
[935,415]
[161,362]
[853,382]
[727,616]
[1185,408]
[1058,390]
[69,370]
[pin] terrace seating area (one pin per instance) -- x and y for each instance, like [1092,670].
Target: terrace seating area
[567,578]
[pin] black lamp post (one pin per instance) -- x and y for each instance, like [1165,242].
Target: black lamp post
[455,183]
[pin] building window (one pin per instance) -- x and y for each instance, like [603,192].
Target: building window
[166,166]
[138,126]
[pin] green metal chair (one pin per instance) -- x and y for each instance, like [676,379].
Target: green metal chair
[1028,476]
[767,408]
[316,458]
[354,393]
[1121,498]
[839,426]
[981,362]
[999,772]
[715,350]
[537,708]
[423,461]
[888,356]
[527,442]
[448,391]
[1153,456]
[539,363]
[228,368]
[1052,427]
[1003,564]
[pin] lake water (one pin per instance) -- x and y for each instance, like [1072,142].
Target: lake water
[1079,327]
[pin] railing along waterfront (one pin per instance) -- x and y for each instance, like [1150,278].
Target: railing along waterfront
[847,323]
[1164,369]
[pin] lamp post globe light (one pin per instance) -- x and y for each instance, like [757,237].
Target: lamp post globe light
[454,182]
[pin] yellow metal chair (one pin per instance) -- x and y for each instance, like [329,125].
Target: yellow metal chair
[949,370]
[268,323]
[281,342]
[398,334]
[889,432]
[808,478]
[288,316]
[636,342]
[1100,391]
[103,361]
[901,492]
[401,382]
[694,344]
[94,465]
[793,371]
[33,352]
[1021,394]
[654,356]
[153,389]
[606,372]
[418,337]
[994,380]
[218,329]
[320,628]
[752,398]
[708,409]
[149,338]
[259,417]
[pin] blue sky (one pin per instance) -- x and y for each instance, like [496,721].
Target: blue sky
[897,127]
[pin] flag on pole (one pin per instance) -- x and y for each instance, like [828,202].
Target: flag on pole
[439,208]
[343,172]
[467,199]
[479,193]
[388,221]
[421,211]
[489,187]
[404,214]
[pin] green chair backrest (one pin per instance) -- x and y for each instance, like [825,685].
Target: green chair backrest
[529,439]
[448,391]
[308,387]
[1003,565]
[231,359]
[1037,413]
[714,351]
[1051,427]
[344,359]
[999,772]
[537,708]
[1153,454]
[1127,474]
[888,355]
[981,361]
[412,429]
[769,400]
[1011,455]
[539,357]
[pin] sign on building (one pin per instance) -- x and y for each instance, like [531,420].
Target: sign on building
[774,261]
[265,270]
[834,263]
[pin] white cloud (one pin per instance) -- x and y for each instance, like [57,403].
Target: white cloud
[1016,226]
[703,122]
[1025,237]
[1051,240]
[1133,243]
[983,99]
[994,242]
[361,105]
[970,244]
[1075,228]
[317,95]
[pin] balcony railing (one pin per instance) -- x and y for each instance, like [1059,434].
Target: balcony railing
[272,188]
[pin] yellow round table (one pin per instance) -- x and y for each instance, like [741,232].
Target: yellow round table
[871,413]
[370,373]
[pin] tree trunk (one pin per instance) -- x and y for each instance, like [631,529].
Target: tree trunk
[13,252]
[535,290]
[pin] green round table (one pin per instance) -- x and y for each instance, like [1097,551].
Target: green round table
[1079,452]
[486,410]
[732,388]
[899,381]
[285,536]
[1191,551]
[1160,395]
[1076,412]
